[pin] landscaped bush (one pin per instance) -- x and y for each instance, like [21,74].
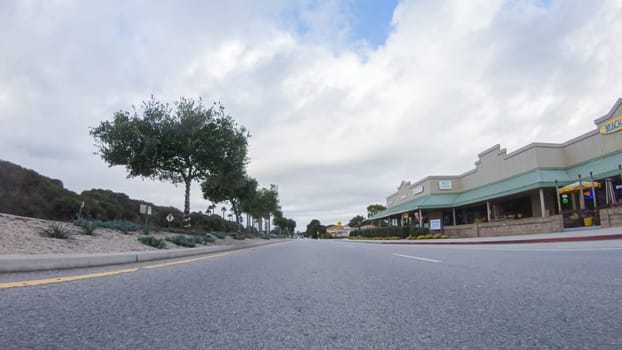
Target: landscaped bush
[89,229]
[191,241]
[56,231]
[201,239]
[152,241]
[88,226]
[218,234]
[182,241]
[401,232]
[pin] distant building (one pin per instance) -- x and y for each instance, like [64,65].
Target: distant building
[338,231]
[523,184]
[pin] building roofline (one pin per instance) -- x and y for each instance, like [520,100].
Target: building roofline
[599,120]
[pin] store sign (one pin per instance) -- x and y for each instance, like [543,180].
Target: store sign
[611,125]
[445,185]
[435,224]
[418,190]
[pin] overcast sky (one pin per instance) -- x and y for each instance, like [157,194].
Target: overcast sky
[344,99]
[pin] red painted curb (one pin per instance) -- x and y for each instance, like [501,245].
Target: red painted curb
[515,241]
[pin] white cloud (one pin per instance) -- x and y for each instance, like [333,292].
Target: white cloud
[335,124]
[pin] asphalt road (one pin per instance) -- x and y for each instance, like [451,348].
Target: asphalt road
[306,294]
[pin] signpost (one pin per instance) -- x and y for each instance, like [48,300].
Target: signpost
[145,210]
[169,218]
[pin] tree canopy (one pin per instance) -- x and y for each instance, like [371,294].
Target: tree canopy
[233,186]
[315,229]
[374,209]
[181,145]
[285,224]
[356,221]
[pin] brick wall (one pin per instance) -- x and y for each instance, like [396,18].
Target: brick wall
[611,217]
[509,227]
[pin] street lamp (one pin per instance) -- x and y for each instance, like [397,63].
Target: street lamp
[223,212]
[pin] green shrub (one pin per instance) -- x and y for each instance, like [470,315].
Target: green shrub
[437,236]
[56,230]
[89,229]
[119,225]
[443,236]
[421,237]
[152,241]
[182,241]
[428,236]
[201,239]
[218,234]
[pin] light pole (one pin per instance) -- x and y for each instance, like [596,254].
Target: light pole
[223,212]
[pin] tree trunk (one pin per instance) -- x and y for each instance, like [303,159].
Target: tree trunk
[187,203]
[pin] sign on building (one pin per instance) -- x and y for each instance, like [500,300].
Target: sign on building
[435,224]
[445,185]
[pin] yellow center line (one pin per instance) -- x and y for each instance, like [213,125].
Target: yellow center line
[100,274]
[63,279]
[185,261]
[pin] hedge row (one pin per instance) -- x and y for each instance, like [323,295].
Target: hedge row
[391,231]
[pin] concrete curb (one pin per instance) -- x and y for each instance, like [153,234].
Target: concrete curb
[42,262]
[515,241]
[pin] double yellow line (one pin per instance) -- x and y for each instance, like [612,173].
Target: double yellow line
[100,274]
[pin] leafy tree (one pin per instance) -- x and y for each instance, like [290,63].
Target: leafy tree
[233,186]
[181,146]
[285,224]
[356,221]
[263,204]
[315,229]
[374,209]
[291,225]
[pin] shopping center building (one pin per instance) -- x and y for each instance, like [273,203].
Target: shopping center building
[523,191]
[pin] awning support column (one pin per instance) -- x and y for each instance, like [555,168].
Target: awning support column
[559,204]
[581,199]
[453,211]
[488,210]
[542,208]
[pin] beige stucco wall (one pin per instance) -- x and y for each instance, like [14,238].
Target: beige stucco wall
[495,164]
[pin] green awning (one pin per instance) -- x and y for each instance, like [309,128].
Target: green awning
[537,178]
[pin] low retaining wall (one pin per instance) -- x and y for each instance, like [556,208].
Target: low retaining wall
[611,217]
[508,227]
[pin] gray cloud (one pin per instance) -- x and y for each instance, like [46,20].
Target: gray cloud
[335,124]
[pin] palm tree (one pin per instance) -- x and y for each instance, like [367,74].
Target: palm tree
[223,212]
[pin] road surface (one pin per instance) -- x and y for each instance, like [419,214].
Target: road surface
[308,294]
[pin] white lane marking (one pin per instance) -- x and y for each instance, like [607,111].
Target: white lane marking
[533,249]
[417,258]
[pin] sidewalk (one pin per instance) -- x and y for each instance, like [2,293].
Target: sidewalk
[569,235]
[42,262]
